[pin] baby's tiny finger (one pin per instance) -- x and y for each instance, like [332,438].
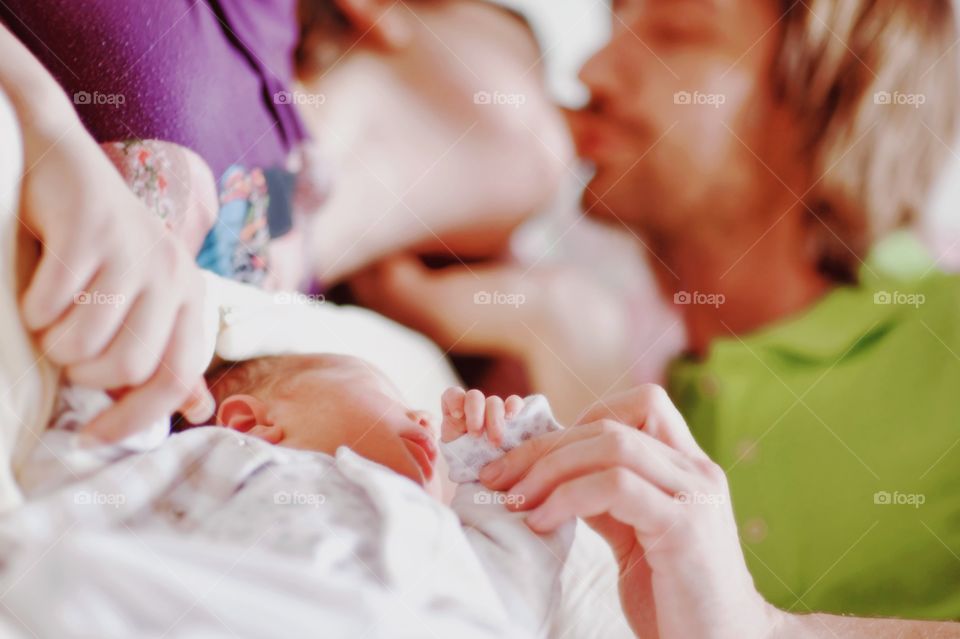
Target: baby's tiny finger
[473,407]
[452,402]
[513,406]
[494,420]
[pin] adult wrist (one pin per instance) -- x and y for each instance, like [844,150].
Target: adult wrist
[46,122]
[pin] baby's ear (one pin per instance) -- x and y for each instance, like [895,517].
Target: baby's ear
[247,414]
[270,433]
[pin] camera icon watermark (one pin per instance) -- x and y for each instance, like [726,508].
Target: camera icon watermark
[95,98]
[285,298]
[896,98]
[297,498]
[300,98]
[497,98]
[496,298]
[896,498]
[487,498]
[96,498]
[98,298]
[898,298]
[696,298]
[697,98]
[697,498]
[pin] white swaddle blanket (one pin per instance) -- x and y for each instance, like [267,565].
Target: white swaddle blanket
[467,454]
[214,533]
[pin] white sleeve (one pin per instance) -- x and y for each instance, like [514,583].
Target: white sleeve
[524,567]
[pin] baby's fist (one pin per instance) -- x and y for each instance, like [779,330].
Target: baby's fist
[472,412]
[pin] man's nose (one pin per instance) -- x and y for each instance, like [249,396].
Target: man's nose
[598,73]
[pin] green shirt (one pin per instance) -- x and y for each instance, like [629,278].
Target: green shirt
[840,434]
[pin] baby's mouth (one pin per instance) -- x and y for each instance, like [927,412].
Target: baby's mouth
[423,450]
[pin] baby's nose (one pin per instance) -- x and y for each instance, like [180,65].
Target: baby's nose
[423,418]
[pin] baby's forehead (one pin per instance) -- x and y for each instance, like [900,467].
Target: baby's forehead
[353,370]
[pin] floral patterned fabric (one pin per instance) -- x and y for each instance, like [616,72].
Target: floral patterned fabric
[236,247]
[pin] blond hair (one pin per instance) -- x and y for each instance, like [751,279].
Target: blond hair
[874,84]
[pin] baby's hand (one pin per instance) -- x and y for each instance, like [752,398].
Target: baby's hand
[471,412]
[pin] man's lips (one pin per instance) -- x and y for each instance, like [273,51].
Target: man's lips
[424,451]
[597,134]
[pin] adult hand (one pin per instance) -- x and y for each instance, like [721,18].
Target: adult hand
[633,471]
[505,309]
[115,299]
[454,306]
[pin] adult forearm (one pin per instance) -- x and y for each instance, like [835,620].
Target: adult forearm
[42,107]
[815,626]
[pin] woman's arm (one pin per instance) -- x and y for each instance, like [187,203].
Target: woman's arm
[42,107]
[115,300]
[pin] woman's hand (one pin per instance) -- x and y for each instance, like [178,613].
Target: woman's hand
[477,309]
[633,471]
[115,299]
[504,309]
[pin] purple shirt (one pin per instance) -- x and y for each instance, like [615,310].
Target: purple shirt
[202,74]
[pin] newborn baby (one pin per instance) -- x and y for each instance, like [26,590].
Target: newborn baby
[340,530]
[344,516]
[323,402]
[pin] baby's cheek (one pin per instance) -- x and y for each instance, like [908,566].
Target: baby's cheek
[390,453]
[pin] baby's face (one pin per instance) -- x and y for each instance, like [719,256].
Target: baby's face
[346,402]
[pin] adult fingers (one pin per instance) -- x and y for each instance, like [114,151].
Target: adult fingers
[617,492]
[650,408]
[91,323]
[199,406]
[628,449]
[134,355]
[167,390]
[506,471]
[55,284]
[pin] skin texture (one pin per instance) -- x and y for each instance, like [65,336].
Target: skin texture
[436,171]
[708,187]
[336,401]
[99,244]
[329,401]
